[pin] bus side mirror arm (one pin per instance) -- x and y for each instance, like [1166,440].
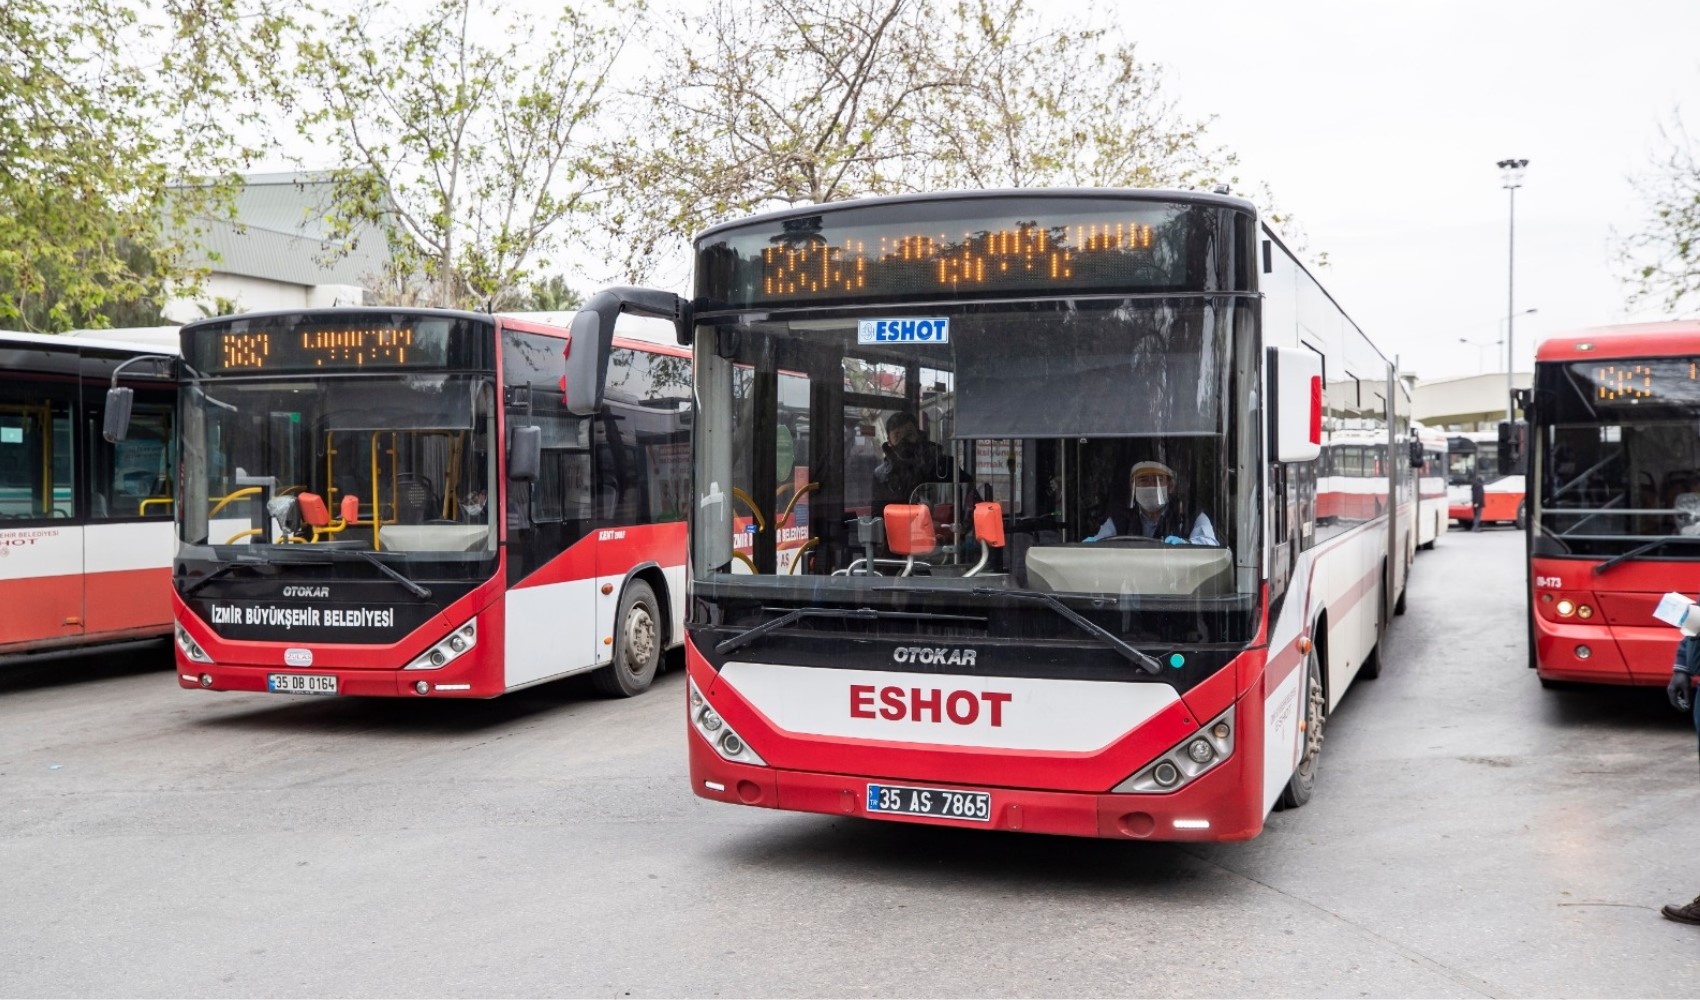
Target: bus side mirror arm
[592,339]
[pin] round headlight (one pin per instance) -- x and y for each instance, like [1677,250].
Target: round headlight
[1200,751]
[1165,774]
[457,644]
[438,658]
[1564,608]
[1584,611]
[732,744]
[421,687]
[710,721]
[1220,730]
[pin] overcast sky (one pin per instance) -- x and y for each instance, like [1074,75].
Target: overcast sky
[1379,125]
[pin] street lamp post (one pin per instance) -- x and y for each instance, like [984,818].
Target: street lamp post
[1478,345]
[1511,178]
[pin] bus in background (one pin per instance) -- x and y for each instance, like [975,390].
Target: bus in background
[85,525]
[1616,523]
[1484,452]
[960,639]
[1433,506]
[426,503]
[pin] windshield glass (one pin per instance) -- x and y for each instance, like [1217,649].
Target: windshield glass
[1080,449]
[397,466]
[1619,456]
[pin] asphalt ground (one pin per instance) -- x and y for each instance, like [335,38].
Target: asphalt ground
[1471,835]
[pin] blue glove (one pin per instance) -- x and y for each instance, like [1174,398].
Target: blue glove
[1092,539]
[1175,540]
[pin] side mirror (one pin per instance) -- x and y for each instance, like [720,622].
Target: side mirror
[1416,448]
[116,426]
[1295,404]
[525,453]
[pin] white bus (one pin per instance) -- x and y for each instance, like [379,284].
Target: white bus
[979,651]
[85,525]
[1433,513]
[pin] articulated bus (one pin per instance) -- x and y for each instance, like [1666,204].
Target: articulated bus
[1616,513]
[1502,470]
[1433,506]
[85,525]
[912,620]
[424,502]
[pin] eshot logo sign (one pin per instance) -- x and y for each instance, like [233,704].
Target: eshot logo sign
[904,330]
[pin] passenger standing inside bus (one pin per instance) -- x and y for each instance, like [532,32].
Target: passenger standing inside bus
[1478,499]
[1682,695]
[1153,511]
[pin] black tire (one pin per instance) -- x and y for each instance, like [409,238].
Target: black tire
[1370,669]
[1522,518]
[1399,605]
[1303,782]
[637,644]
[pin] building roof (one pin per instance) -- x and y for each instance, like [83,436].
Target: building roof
[282,233]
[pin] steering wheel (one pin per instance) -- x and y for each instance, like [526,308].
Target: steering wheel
[1142,539]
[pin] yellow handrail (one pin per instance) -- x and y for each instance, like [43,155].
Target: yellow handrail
[246,491]
[761,522]
[810,544]
[142,508]
[251,532]
[747,561]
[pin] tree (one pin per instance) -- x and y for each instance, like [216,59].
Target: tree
[471,155]
[1663,257]
[783,102]
[102,104]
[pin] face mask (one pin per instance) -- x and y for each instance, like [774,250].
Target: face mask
[1151,497]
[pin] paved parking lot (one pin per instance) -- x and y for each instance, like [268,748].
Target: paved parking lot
[1472,835]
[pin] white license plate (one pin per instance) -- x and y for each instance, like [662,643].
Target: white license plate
[301,683]
[944,803]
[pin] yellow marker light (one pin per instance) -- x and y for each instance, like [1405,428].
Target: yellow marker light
[1565,609]
[1584,612]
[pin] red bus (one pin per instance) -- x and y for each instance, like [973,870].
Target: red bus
[948,634]
[402,502]
[1616,523]
[85,525]
[1433,508]
[1491,455]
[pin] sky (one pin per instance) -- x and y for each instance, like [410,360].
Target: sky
[1379,125]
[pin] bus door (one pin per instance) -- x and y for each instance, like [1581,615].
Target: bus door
[41,542]
[129,533]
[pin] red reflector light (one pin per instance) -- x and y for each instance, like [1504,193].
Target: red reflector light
[1316,409]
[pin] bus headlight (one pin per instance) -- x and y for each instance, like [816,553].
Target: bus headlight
[1189,759]
[458,642]
[1565,608]
[714,730]
[190,647]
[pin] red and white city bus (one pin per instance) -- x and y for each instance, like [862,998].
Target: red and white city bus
[402,502]
[1433,507]
[1616,513]
[980,373]
[85,525]
[1488,454]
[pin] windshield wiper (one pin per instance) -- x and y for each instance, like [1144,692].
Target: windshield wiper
[1641,550]
[229,567]
[1110,638]
[748,636]
[372,557]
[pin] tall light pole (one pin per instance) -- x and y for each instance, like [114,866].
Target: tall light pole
[1478,345]
[1511,178]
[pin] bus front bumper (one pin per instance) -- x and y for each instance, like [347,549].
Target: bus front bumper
[1604,654]
[1215,807]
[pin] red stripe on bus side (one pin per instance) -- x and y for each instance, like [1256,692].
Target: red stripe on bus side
[128,599]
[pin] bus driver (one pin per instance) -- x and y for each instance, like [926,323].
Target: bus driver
[1152,513]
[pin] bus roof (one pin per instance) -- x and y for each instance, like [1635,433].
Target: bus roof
[1638,340]
[1141,194]
[87,338]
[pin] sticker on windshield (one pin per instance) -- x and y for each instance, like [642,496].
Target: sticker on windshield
[904,330]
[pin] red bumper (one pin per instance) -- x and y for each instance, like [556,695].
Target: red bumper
[1616,654]
[1225,800]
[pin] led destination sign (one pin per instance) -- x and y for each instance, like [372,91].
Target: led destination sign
[964,248]
[1630,383]
[382,341]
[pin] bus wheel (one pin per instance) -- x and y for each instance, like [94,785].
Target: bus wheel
[1522,514]
[1399,605]
[637,644]
[1299,786]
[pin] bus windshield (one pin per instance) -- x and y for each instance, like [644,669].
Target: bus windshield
[395,465]
[841,459]
[1620,456]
